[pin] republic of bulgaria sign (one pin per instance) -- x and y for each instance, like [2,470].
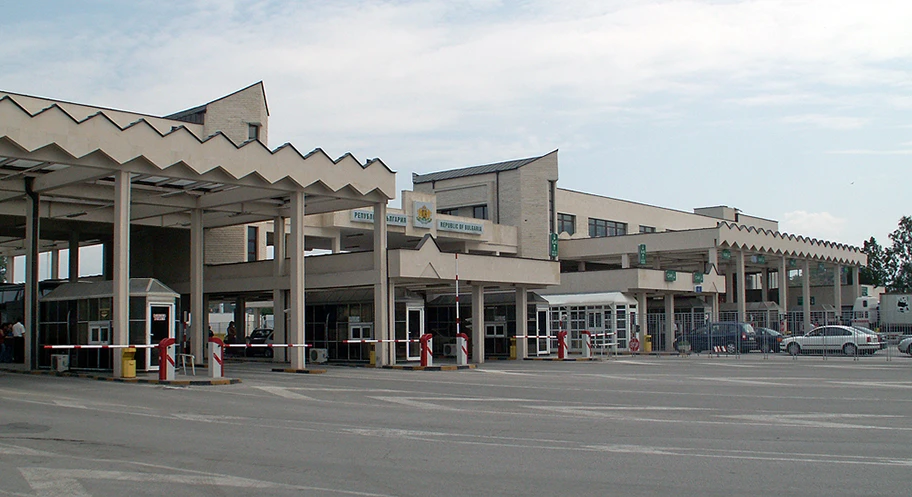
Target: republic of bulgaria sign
[424,214]
[368,217]
[460,227]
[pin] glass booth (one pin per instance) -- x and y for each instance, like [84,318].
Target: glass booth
[80,313]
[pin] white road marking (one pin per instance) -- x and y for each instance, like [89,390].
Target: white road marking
[68,403]
[286,393]
[51,482]
[417,403]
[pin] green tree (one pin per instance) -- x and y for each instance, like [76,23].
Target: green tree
[875,273]
[899,257]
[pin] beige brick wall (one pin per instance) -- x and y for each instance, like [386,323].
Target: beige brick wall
[232,114]
[226,245]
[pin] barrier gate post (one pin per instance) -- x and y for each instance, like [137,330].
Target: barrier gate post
[427,357]
[561,345]
[216,357]
[462,349]
[587,344]
[166,359]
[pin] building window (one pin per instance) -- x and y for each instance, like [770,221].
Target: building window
[566,222]
[647,229]
[480,212]
[253,131]
[251,243]
[449,212]
[600,227]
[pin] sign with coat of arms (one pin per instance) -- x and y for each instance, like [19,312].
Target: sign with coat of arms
[424,215]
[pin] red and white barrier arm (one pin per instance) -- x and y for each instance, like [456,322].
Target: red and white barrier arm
[267,345]
[57,347]
[366,340]
[535,336]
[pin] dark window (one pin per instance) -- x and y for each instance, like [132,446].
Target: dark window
[251,243]
[480,212]
[600,227]
[566,222]
[253,131]
[647,229]
[449,212]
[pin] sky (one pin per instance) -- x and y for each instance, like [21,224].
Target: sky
[792,110]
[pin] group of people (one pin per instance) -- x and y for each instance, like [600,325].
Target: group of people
[11,340]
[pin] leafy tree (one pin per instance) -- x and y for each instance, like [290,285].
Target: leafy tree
[875,273]
[899,257]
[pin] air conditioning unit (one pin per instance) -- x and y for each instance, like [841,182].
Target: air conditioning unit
[60,362]
[317,355]
[449,349]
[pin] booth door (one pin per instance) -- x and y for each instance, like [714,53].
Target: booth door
[161,326]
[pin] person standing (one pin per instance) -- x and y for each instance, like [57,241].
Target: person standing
[17,344]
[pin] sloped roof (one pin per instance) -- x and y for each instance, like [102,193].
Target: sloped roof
[473,170]
[139,287]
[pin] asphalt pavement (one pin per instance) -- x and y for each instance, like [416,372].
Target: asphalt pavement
[631,426]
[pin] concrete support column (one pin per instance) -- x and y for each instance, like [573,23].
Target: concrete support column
[625,261]
[121,271]
[337,243]
[73,269]
[712,258]
[742,285]
[713,302]
[669,322]
[730,287]
[55,264]
[296,277]
[478,324]
[240,318]
[381,285]
[391,310]
[199,333]
[783,285]
[278,295]
[764,285]
[641,318]
[32,234]
[856,282]
[806,294]
[522,322]
[11,269]
[837,291]
[582,266]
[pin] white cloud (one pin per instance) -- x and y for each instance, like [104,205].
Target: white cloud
[827,121]
[820,225]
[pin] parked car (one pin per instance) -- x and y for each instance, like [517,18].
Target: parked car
[768,340]
[260,336]
[732,337]
[880,336]
[905,344]
[833,338]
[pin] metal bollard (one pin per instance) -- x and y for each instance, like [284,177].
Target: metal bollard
[427,356]
[587,344]
[462,349]
[562,345]
[216,357]
[166,359]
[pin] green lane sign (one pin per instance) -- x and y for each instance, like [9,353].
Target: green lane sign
[698,277]
[553,245]
[642,254]
[671,275]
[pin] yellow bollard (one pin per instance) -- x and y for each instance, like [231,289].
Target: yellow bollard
[647,347]
[373,354]
[513,348]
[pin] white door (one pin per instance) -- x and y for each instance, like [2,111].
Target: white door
[542,343]
[595,324]
[159,325]
[414,328]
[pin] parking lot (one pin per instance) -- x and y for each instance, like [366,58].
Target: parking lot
[698,425]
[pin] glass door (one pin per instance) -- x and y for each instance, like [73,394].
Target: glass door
[542,342]
[595,324]
[414,328]
[160,326]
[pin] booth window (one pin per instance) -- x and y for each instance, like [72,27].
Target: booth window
[566,223]
[601,227]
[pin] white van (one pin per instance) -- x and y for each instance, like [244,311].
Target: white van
[866,312]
